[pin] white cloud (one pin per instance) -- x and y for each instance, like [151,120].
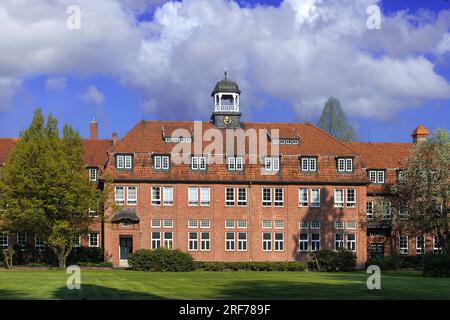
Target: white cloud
[93,96]
[55,83]
[8,88]
[302,52]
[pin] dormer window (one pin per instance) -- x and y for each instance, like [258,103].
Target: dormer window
[178,139]
[308,164]
[376,176]
[92,174]
[345,164]
[272,164]
[235,163]
[124,161]
[198,163]
[161,162]
[401,175]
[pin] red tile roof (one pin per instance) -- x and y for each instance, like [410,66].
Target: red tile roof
[382,155]
[95,151]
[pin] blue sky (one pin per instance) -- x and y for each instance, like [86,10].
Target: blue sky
[125,89]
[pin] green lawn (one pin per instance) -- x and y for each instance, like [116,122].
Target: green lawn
[123,284]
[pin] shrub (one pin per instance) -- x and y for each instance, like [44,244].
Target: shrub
[161,259]
[252,266]
[95,264]
[85,254]
[331,261]
[437,266]
[396,262]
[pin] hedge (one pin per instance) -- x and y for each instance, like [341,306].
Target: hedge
[252,266]
[161,259]
[332,261]
[437,266]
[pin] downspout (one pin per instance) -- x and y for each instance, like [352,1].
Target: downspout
[250,222]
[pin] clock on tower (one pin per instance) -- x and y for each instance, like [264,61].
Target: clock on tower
[226,112]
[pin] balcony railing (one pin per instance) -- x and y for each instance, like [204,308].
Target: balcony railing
[226,108]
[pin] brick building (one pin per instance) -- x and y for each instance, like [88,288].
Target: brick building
[226,190]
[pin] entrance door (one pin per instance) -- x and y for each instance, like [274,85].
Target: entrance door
[377,250]
[126,247]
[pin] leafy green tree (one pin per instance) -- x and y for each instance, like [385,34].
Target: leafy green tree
[334,121]
[46,188]
[423,194]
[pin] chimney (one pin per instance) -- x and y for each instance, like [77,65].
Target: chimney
[114,138]
[94,130]
[420,134]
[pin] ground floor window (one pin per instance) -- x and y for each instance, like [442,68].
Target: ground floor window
[351,241]
[168,240]
[267,241]
[242,241]
[3,240]
[437,245]
[22,240]
[93,240]
[39,243]
[303,242]
[420,245]
[193,241]
[206,241]
[279,241]
[229,241]
[339,241]
[315,242]
[156,240]
[403,244]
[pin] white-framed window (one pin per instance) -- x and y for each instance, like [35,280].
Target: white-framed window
[377,176]
[278,224]
[315,198]
[302,224]
[401,175]
[119,195]
[193,241]
[235,163]
[94,240]
[272,164]
[339,198]
[437,245]
[193,196]
[345,165]
[315,241]
[4,240]
[155,223]
[198,163]
[229,196]
[22,240]
[230,224]
[369,210]
[303,242]
[40,245]
[92,213]
[351,241]
[92,174]
[315,224]
[120,163]
[351,198]
[124,162]
[386,210]
[420,245]
[205,224]
[303,197]
[242,241]
[131,195]
[205,196]
[267,224]
[192,224]
[205,244]
[351,225]
[339,225]
[77,242]
[230,241]
[267,241]
[128,162]
[242,197]
[168,240]
[242,224]
[403,244]
[168,224]
[156,240]
[278,197]
[309,164]
[338,241]
[156,196]
[278,241]
[266,197]
[168,196]
[161,162]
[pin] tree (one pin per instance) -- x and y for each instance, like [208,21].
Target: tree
[46,188]
[422,196]
[334,121]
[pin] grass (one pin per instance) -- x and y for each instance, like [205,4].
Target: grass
[124,284]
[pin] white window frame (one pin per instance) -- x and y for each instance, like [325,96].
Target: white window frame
[92,174]
[128,162]
[120,162]
[205,243]
[266,224]
[242,242]
[340,203]
[349,165]
[39,243]
[266,203]
[230,224]
[21,239]
[339,243]
[303,224]
[339,225]
[266,243]
[315,225]
[242,224]
[91,239]
[156,200]
[193,196]
[4,240]
[230,202]
[242,202]
[437,248]
[155,223]
[278,243]
[168,223]
[303,244]
[403,250]
[156,242]
[192,224]
[119,201]
[369,210]
[315,243]
[168,242]
[278,224]
[193,243]
[131,201]
[239,163]
[420,250]
[315,204]
[351,203]
[230,244]
[205,197]
[205,224]
[278,203]
[351,243]
[303,197]
[272,164]
[167,194]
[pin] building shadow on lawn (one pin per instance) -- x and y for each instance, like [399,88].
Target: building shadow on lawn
[12,295]
[94,292]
